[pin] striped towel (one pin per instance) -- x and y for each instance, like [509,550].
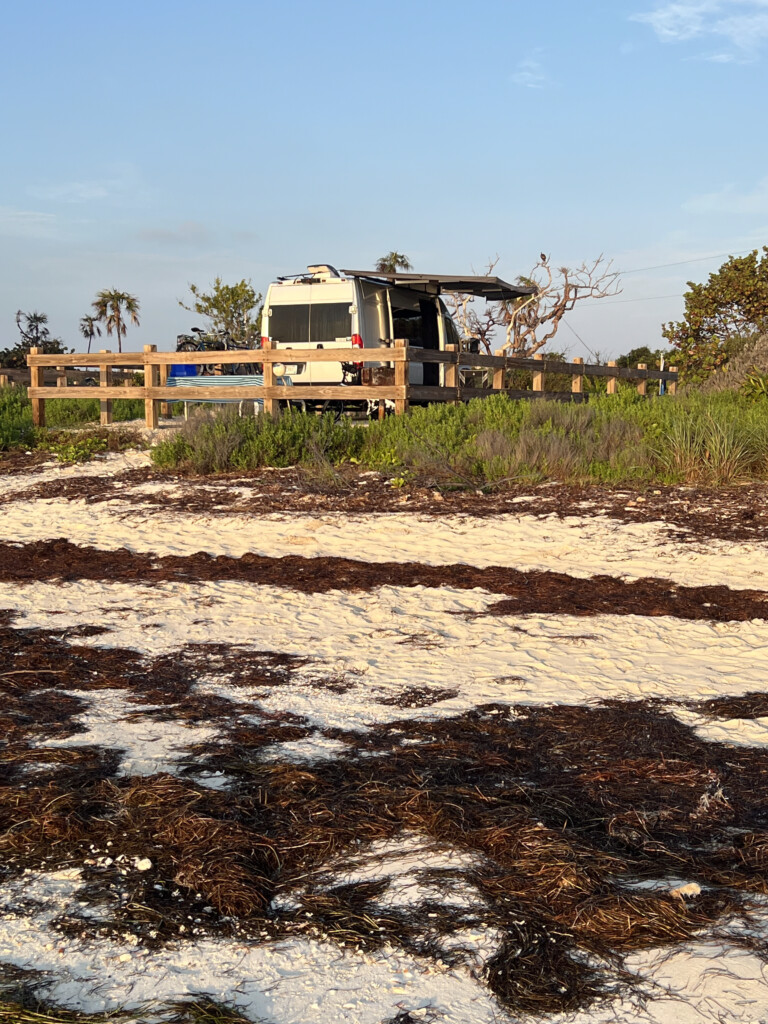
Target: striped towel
[226,380]
[244,380]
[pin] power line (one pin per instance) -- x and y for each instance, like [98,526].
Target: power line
[661,266]
[645,298]
[682,263]
[579,337]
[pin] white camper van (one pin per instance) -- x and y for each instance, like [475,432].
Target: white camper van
[327,308]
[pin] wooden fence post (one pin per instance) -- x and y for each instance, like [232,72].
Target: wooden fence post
[452,373]
[672,388]
[165,407]
[151,380]
[641,384]
[498,376]
[402,377]
[612,385]
[4,380]
[61,382]
[36,381]
[538,376]
[105,379]
[577,380]
[269,379]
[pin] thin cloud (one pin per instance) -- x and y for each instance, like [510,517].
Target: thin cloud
[70,192]
[742,24]
[122,182]
[189,232]
[731,201]
[530,74]
[25,223]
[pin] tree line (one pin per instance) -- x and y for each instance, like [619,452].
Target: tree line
[722,316]
[112,309]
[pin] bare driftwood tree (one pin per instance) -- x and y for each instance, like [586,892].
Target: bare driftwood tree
[476,329]
[532,321]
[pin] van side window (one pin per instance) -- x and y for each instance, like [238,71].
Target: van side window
[451,334]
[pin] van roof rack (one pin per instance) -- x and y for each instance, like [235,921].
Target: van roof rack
[491,288]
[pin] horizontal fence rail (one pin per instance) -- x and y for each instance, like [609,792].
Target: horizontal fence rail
[456,364]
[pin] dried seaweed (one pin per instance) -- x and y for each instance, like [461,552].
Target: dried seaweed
[526,592]
[558,814]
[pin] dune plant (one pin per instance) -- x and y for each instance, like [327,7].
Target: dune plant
[615,439]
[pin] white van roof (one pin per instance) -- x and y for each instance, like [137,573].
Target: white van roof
[491,288]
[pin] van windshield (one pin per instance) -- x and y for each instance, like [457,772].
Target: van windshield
[322,321]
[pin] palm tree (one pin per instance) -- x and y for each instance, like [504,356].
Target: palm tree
[89,328]
[112,308]
[393,262]
[34,331]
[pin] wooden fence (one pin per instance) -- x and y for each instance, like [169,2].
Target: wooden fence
[155,366]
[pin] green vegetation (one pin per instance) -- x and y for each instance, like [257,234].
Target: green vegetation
[392,262]
[219,442]
[755,385]
[74,448]
[34,333]
[74,412]
[711,439]
[721,316]
[90,329]
[16,421]
[15,418]
[495,442]
[113,308]
[232,308]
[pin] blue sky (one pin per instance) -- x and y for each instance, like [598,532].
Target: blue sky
[153,144]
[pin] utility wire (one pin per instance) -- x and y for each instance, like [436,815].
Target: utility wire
[644,298]
[682,263]
[660,266]
[579,338]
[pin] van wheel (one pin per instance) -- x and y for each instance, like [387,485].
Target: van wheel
[335,408]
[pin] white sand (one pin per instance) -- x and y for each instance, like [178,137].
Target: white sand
[579,546]
[294,982]
[108,466]
[382,643]
[373,641]
[146,746]
[306,982]
[742,732]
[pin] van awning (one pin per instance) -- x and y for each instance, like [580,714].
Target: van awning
[491,288]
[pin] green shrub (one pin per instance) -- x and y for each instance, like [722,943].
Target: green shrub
[218,442]
[73,412]
[16,414]
[75,449]
[15,418]
[755,385]
[616,439]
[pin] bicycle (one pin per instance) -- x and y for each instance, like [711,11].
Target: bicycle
[217,341]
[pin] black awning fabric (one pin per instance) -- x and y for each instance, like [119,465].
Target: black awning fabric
[491,288]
